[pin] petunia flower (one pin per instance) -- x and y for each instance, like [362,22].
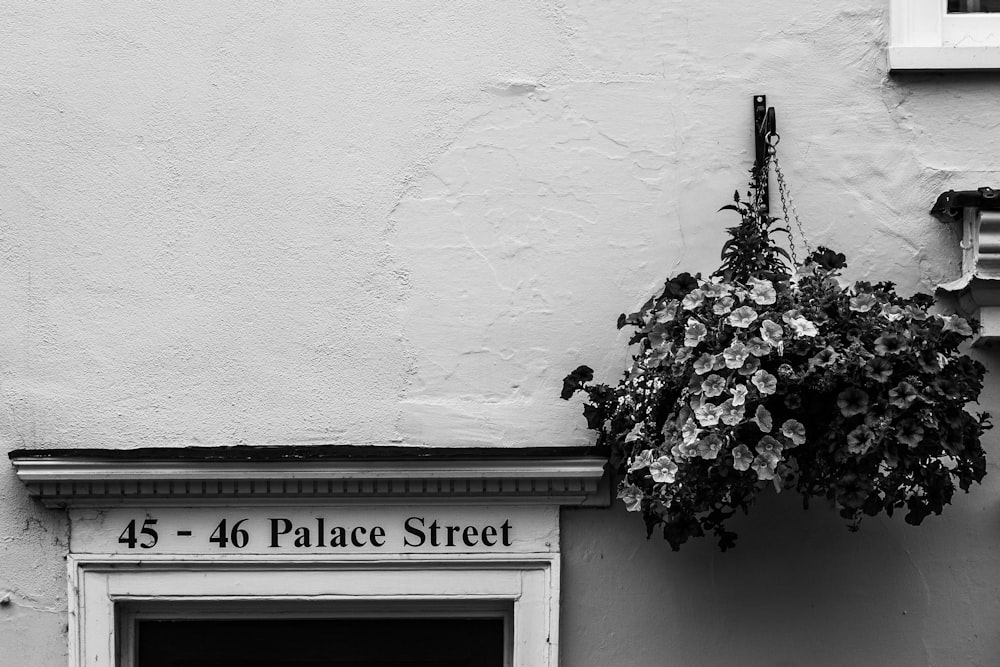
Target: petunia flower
[943,386]
[803,327]
[825,357]
[750,366]
[892,313]
[770,449]
[656,356]
[771,332]
[758,347]
[903,395]
[642,460]
[723,305]
[788,474]
[789,315]
[862,303]
[735,354]
[764,468]
[916,313]
[666,312]
[663,470]
[742,457]
[739,394]
[879,369]
[928,361]
[703,364]
[794,431]
[694,333]
[693,299]
[860,440]
[685,450]
[635,434]
[763,419]
[731,414]
[890,343]
[956,324]
[852,401]
[632,496]
[909,432]
[713,385]
[709,447]
[658,337]
[742,317]
[716,290]
[706,413]
[762,292]
[765,382]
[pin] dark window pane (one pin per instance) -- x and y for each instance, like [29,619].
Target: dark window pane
[382,642]
[973,6]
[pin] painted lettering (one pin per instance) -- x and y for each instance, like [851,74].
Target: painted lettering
[413,526]
[276,532]
[505,529]
[418,532]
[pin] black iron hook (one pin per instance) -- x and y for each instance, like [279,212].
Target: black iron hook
[764,127]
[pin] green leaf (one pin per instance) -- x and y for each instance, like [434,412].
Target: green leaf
[575,381]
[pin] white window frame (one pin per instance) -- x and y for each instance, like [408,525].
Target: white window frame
[107,594]
[926,37]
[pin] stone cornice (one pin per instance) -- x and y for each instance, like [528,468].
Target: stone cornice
[314,475]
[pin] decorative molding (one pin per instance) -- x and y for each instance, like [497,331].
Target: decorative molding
[978,289]
[117,477]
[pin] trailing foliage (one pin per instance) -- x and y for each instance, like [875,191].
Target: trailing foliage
[757,377]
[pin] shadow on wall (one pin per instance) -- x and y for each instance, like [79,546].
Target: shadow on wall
[798,590]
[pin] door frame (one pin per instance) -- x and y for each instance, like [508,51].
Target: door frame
[107,594]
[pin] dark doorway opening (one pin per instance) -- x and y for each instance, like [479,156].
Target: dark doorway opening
[312,642]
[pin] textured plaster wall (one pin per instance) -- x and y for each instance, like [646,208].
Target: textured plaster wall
[370,222]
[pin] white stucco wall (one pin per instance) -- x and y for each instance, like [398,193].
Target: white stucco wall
[372,222]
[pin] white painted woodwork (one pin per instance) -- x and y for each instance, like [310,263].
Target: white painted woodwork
[925,37]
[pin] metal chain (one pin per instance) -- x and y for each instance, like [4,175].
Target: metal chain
[786,200]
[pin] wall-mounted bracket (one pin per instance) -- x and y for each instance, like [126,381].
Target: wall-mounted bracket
[950,205]
[764,126]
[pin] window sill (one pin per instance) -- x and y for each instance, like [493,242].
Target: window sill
[904,58]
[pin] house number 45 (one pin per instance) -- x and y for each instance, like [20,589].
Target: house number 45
[147,532]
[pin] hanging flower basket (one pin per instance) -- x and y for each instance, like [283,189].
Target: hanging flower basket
[773,373]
